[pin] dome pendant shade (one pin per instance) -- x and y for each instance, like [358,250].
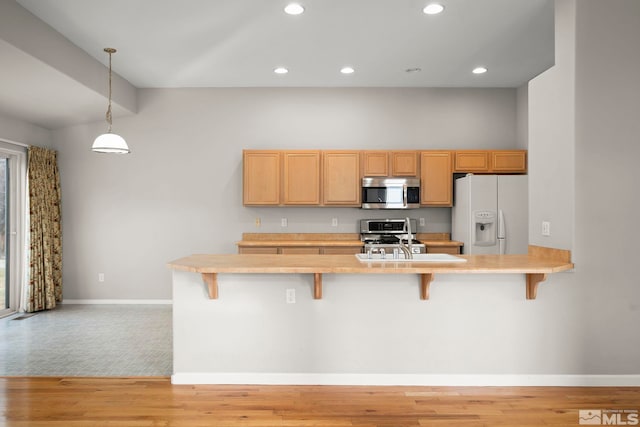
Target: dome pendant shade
[110,143]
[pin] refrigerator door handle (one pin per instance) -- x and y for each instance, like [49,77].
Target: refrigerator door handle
[502,238]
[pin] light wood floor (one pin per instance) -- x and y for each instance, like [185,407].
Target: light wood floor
[135,402]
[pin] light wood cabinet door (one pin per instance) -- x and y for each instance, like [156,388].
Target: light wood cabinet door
[404,163]
[436,178]
[300,251]
[512,161]
[452,250]
[301,177]
[491,161]
[342,250]
[263,250]
[472,161]
[341,178]
[375,163]
[261,177]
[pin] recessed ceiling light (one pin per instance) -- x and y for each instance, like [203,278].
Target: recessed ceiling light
[347,70]
[293,9]
[433,9]
[479,70]
[281,70]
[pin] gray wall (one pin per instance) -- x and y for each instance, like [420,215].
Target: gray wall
[522,110]
[179,192]
[16,130]
[607,198]
[583,147]
[552,139]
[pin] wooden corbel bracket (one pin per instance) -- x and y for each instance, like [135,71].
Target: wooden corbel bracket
[211,280]
[533,280]
[317,285]
[425,281]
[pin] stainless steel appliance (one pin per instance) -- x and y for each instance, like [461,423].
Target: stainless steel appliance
[390,193]
[388,236]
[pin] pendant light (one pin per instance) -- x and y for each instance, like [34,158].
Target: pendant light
[110,142]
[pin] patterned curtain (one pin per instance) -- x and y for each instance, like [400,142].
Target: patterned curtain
[45,248]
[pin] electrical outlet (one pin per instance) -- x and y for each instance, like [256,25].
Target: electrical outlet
[546,228]
[291,296]
[334,222]
[421,222]
[258,222]
[100,277]
[283,222]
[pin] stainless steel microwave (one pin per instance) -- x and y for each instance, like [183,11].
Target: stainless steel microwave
[390,193]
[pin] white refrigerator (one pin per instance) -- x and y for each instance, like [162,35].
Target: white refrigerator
[490,214]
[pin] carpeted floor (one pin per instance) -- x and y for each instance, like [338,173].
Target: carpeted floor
[88,340]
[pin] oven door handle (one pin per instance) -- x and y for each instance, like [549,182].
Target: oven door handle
[404,195]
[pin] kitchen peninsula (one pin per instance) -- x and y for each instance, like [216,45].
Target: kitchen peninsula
[535,266]
[247,332]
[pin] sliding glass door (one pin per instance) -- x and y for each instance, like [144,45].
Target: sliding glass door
[12,225]
[5,291]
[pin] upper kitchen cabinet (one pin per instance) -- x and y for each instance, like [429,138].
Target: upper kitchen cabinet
[375,163]
[333,177]
[491,161]
[436,178]
[471,161]
[341,178]
[261,177]
[404,163]
[301,178]
[390,163]
[509,161]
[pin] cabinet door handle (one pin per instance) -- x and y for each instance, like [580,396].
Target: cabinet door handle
[404,195]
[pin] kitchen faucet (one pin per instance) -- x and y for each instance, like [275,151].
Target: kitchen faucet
[407,248]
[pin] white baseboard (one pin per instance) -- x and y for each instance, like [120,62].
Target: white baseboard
[117,301]
[408,380]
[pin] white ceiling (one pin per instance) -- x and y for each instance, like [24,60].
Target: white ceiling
[238,43]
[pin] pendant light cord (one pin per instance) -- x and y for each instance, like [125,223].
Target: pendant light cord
[108,115]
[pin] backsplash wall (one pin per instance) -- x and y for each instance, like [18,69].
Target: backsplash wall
[318,220]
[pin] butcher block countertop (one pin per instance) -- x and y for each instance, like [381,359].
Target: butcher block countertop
[535,265]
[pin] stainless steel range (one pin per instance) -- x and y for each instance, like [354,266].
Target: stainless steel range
[389,236]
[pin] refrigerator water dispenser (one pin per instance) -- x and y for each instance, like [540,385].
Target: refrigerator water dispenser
[485,224]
